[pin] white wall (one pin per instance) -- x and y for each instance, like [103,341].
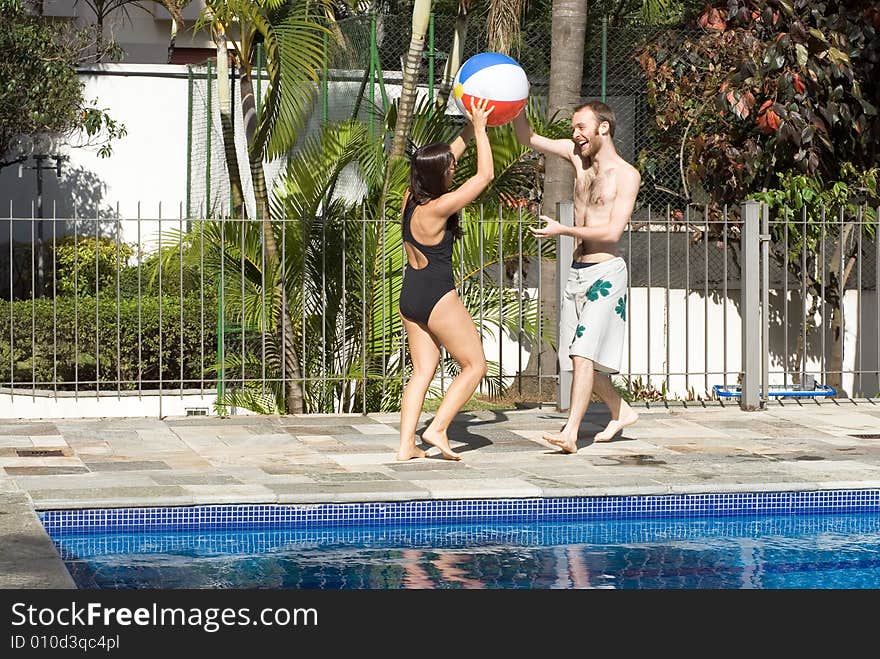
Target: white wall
[146,172]
[693,331]
[66,406]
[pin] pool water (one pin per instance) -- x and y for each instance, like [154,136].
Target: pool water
[812,551]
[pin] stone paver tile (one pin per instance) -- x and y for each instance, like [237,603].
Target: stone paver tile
[249,493]
[8,484]
[532,435]
[28,428]
[352,476]
[561,470]
[676,428]
[186,462]
[51,461]
[111,497]
[293,469]
[48,440]
[281,477]
[376,429]
[97,450]
[85,480]
[422,464]
[485,488]
[28,558]
[127,465]
[340,492]
[386,417]
[354,459]
[185,478]
[318,440]
[46,471]
[15,441]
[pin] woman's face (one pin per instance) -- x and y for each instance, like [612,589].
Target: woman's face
[450,172]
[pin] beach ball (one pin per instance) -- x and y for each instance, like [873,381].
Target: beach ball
[495,77]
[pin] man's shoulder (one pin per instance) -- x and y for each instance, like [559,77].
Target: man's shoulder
[628,169]
[628,176]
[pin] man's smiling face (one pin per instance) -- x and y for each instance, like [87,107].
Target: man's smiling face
[585,133]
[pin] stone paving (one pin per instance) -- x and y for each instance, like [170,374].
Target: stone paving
[303,459]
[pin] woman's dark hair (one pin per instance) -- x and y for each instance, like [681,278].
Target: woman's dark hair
[427,179]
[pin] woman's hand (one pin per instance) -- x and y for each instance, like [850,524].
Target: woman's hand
[479,115]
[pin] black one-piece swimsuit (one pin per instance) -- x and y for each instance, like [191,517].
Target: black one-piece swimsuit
[423,287]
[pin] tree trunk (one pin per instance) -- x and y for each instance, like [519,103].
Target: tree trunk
[842,253]
[224,100]
[293,392]
[456,53]
[566,77]
[409,88]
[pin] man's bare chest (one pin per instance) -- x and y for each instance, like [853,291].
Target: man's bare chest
[594,191]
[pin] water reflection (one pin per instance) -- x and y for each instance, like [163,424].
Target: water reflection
[806,551]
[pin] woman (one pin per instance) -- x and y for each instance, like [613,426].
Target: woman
[432,312]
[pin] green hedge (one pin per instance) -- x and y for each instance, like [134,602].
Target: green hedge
[69,341]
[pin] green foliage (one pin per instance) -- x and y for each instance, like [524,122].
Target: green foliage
[39,88]
[799,198]
[86,265]
[66,340]
[806,207]
[768,87]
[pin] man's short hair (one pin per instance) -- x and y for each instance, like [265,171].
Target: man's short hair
[602,111]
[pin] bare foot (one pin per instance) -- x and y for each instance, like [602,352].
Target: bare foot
[627,418]
[439,440]
[409,452]
[563,441]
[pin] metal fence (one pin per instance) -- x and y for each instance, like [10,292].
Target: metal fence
[185,313]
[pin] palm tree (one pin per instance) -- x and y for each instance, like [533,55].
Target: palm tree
[421,14]
[503,24]
[292,34]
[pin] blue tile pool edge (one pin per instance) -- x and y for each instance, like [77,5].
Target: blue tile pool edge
[408,513]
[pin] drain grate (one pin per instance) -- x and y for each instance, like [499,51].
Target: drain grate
[39,452]
[867,436]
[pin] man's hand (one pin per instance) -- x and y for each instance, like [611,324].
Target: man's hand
[552,228]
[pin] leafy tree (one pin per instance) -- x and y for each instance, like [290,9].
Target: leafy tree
[778,101]
[40,92]
[765,87]
[85,265]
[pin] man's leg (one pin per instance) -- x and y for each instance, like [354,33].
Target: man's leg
[581,392]
[622,415]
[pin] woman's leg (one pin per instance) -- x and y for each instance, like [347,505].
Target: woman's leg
[454,328]
[425,354]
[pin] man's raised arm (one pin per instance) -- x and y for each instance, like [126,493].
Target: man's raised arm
[527,137]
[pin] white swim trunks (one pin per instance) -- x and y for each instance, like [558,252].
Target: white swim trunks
[592,321]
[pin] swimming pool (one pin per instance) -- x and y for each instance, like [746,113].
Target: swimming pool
[816,539]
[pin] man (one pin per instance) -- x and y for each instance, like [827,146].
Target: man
[593,313]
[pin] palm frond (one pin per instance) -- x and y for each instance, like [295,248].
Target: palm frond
[295,56]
